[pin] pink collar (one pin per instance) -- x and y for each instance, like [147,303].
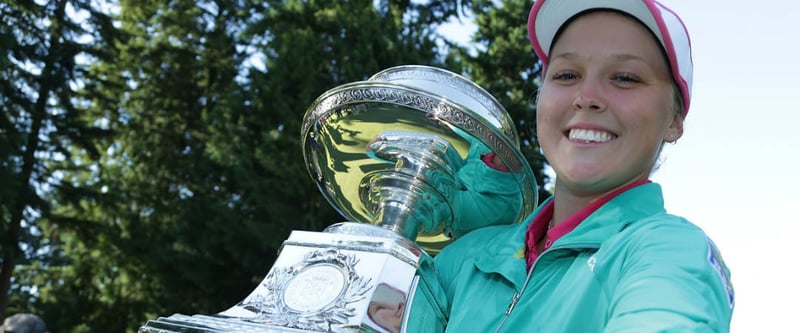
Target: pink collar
[539,226]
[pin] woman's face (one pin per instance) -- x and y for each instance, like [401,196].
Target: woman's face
[605,106]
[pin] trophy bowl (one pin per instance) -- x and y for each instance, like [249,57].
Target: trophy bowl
[387,151]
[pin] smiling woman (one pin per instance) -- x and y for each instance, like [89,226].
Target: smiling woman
[602,254]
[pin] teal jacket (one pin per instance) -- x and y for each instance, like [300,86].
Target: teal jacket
[628,267]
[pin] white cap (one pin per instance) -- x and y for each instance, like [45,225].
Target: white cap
[547,17]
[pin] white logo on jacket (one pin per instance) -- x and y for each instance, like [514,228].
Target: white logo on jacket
[592,260]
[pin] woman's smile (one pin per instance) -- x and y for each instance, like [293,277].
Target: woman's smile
[585,135]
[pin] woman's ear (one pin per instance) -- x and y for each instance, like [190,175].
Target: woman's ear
[675,129]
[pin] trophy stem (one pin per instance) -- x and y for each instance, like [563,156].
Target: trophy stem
[397,217]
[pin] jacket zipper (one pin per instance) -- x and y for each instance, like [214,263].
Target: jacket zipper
[515,298]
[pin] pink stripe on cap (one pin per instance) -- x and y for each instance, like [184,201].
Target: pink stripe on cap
[547,17]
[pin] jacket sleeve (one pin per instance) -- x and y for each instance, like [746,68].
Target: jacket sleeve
[427,312]
[671,279]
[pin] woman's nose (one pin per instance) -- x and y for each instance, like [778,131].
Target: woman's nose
[589,99]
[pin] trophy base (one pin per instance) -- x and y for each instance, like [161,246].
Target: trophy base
[331,281]
[208,324]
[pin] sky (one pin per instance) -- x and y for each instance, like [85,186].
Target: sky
[736,171]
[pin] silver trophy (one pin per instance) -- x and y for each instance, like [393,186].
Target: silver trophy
[403,157]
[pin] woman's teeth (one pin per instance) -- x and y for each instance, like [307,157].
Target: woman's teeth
[588,135]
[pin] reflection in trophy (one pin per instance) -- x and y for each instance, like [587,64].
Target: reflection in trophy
[401,157]
[386,308]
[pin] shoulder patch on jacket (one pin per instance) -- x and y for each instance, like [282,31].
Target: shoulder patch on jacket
[715,259]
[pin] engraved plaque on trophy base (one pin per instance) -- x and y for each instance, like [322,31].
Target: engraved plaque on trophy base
[321,282]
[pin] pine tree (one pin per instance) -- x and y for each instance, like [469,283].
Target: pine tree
[42,128]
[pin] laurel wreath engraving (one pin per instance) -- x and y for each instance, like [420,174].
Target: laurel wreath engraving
[271,308]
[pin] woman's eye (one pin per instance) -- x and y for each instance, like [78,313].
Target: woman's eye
[562,76]
[626,78]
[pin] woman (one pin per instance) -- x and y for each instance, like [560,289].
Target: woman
[602,254]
